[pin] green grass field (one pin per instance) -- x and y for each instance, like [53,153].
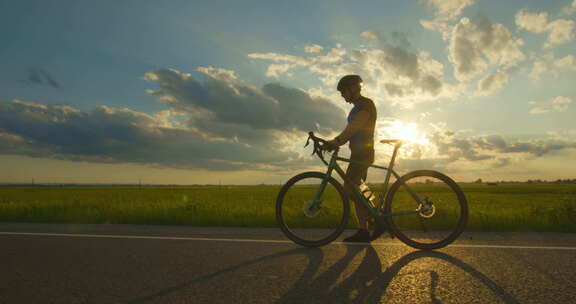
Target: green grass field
[518,207]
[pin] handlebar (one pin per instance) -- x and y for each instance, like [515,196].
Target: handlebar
[314,138]
[319,146]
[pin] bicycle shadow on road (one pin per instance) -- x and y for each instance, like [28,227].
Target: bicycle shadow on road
[367,284]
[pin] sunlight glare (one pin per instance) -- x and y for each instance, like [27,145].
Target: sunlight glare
[408,132]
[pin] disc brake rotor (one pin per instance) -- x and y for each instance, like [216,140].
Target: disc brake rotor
[427,209]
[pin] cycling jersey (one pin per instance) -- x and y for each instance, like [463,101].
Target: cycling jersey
[363,138]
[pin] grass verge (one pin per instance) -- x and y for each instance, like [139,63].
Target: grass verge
[516,207]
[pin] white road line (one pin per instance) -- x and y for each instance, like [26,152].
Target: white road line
[150,237]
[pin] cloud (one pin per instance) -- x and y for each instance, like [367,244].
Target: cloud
[531,22]
[39,76]
[566,62]
[274,70]
[445,12]
[473,46]
[448,9]
[492,83]
[389,68]
[473,148]
[548,64]
[570,9]
[288,62]
[539,67]
[557,104]
[559,31]
[295,60]
[563,134]
[460,152]
[220,123]
[223,98]
[111,135]
[501,162]
[313,48]
[457,152]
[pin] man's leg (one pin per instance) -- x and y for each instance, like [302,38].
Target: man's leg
[356,173]
[362,214]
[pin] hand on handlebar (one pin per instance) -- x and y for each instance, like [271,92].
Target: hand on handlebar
[321,144]
[330,145]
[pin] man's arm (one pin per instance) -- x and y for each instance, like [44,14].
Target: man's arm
[359,120]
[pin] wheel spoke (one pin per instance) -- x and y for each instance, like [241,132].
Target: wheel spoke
[423,225]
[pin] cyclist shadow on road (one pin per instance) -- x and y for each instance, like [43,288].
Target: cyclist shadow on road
[315,257]
[367,284]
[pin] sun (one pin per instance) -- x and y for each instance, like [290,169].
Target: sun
[409,132]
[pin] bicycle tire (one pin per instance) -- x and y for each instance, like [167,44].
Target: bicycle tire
[334,188]
[402,234]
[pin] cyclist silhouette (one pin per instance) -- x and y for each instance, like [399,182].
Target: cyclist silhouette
[359,132]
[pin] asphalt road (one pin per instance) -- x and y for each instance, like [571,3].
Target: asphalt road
[164,264]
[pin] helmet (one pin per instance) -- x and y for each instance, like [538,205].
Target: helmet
[347,81]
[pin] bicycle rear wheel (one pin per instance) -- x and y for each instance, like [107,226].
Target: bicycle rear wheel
[441,216]
[307,226]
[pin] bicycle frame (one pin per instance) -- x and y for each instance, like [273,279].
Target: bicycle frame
[374,210]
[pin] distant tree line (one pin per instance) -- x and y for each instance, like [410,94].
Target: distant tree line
[532,181]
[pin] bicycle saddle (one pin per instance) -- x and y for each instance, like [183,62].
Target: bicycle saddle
[392,141]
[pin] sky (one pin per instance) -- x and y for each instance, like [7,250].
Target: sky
[208,92]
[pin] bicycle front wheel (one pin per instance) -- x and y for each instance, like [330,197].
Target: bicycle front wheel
[300,218]
[434,222]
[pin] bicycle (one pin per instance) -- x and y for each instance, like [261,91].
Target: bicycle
[312,208]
